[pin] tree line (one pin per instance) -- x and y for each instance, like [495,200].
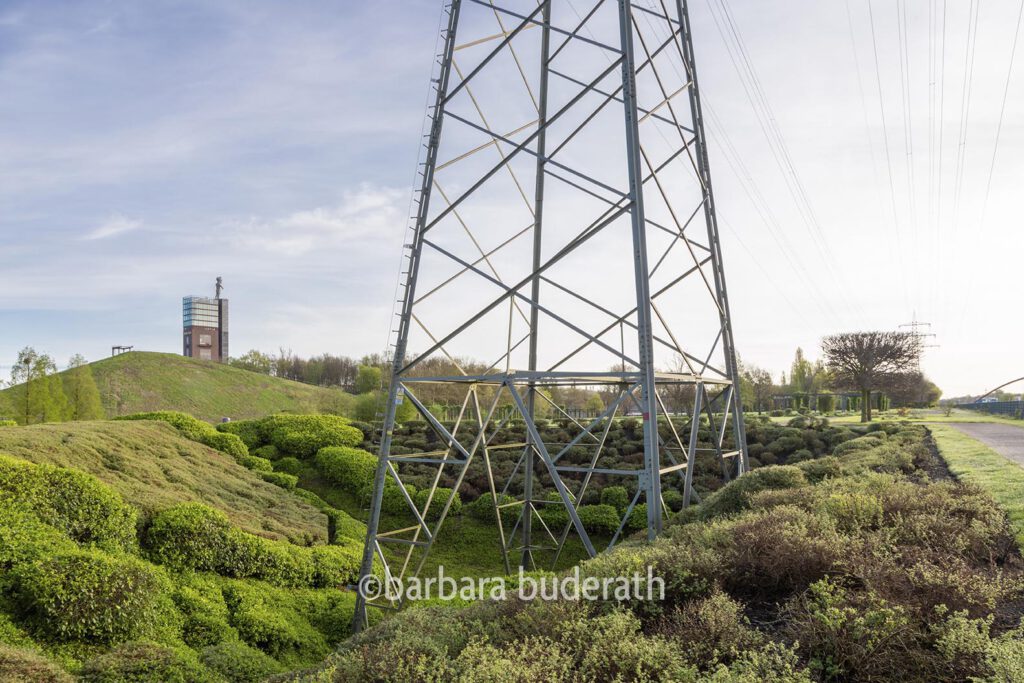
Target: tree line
[41,394]
[860,362]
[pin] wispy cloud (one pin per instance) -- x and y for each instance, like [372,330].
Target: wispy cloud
[115,225]
[366,211]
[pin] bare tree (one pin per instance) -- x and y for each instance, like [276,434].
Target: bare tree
[863,360]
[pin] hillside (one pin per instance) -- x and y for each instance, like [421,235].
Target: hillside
[144,381]
[153,468]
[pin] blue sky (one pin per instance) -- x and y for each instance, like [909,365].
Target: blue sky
[147,147]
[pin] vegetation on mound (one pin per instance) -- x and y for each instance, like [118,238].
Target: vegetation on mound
[143,381]
[183,595]
[848,568]
[153,467]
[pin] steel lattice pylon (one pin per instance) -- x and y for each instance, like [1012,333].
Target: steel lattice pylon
[557,236]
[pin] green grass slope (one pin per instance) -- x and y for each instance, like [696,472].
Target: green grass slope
[153,468]
[144,381]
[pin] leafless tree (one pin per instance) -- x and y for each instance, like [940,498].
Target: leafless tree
[863,360]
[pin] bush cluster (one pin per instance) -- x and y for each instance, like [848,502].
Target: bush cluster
[191,536]
[92,596]
[73,502]
[350,468]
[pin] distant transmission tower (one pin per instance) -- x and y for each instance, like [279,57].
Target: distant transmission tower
[920,337]
[564,236]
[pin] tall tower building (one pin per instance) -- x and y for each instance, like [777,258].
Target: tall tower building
[205,326]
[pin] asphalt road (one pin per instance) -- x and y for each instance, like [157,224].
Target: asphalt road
[1007,440]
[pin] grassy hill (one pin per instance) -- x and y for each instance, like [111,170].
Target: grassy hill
[144,381]
[153,468]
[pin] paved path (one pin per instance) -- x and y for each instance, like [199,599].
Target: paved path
[1007,440]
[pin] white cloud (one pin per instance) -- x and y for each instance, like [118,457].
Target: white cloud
[367,211]
[115,225]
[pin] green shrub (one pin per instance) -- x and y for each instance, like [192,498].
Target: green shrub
[194,537]
[483,509]
[269,452]
[345,525]
[197,430]
[8,423]
[673,499]
[616,496]
[712,630]
[335,566]
[392,500]
[599,519]
[289,465]
[188,426]
[270,621]
[820,469]
[637,518]
[23,538]
[201,603]
[780,551]
[854,634]
[239,663]
[24,665]
[226,443]
[734,496]
[73,502]
[257,463]
[89,595]
[438,501]
[304,435]
[143,662]
[246,430]
[188,536]
[286,481]
[350,468]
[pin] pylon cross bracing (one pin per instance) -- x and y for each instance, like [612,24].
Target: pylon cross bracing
[564,237]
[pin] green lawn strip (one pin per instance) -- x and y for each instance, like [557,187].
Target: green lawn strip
[972,461]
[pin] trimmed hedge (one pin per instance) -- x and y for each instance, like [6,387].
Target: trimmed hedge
[304,435]
[92,596]
[286,481]
[274,623]
[599,519]
[226,443]
[392,501]
[23,538]
[8,423]
[201,603]
[437,503]
[194,537]
[616,496]
[288,465]
[269,452]
[246,430]
[257,463]
[483,509]
[196,430]
[74,502]
[350,468]
[240,663]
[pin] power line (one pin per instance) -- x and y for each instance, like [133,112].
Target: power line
[755,93]
[888,158]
